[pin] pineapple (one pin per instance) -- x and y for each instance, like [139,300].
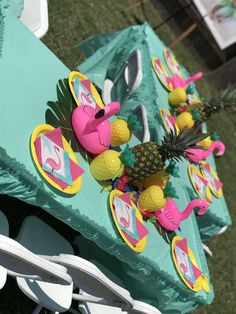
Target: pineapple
[152,198]
[177,96]
[146,159]
[185,121]
[150,157]
[121,130]
[224,100]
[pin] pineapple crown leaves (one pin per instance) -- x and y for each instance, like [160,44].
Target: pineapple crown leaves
[215,136]
[225,99]
[128,157]
[173,146]
[133,123]
[172,169]
[170,191]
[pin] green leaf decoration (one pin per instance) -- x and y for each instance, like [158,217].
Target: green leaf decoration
[59,115]
[170,191]
[190,89]
[215,136]
[128,157]
[153,220]
[192,194]
[133,123]
[172,169]
[196,115]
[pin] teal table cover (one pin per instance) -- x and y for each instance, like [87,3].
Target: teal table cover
[16,6]
[105,60]
[29,77]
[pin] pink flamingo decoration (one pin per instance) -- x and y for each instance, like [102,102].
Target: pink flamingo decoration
[92,128]
[197,154]
[52,163]
[178,81]
[124,221]
[169,216]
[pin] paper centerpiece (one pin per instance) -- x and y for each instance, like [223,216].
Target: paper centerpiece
[162,73]
[187,266]
[172,63]
[168,121]
[55,159]
[212,178]
[128,220]
[200,184]
[83,91]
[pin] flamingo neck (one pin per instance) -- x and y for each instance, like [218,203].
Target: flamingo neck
[188,210]
[219,146]
[102,115]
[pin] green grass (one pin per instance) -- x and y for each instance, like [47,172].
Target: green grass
[73,21]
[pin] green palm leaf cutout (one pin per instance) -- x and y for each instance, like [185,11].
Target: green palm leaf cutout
[172,169]
[59,115]
[170,191]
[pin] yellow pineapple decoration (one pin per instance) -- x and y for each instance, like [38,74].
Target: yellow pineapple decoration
[160,178]
[154,197]
[106,165]
[110,164]
[206,143]
[177,96]
[184,121]
[121,130]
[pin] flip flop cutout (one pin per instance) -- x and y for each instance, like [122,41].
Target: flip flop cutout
[55,159]
[200,184]
[172,63]
[162,73]
[212,178]
[168,121]
[128,220]
[83,91]
[187,266]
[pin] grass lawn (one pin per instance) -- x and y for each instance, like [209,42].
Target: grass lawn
[73,21]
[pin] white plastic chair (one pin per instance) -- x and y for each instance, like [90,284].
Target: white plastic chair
[207,250]
[144,134]
[4,230]
[222,230]
[39,238]
[35,16]
[95,287]
[96,308]
[34,275]
[133,75]
[42,239]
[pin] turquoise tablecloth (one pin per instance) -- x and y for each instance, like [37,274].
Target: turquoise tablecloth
[16,6]
[106,59]
[29,75]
